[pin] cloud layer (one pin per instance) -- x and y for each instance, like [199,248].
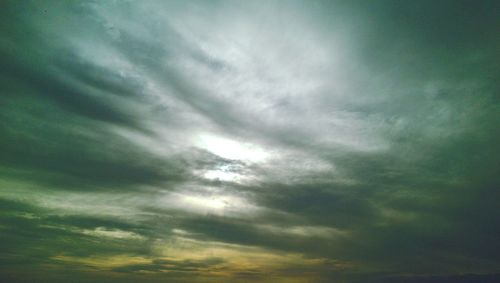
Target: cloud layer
[234,141]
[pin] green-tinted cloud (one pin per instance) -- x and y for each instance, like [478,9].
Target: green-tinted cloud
[226,141]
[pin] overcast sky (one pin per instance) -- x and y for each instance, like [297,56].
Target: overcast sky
[249,141]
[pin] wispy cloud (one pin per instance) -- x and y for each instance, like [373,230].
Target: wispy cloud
[226,141]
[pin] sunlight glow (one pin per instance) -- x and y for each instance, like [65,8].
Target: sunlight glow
[209,203]
[221,175]
[231,149]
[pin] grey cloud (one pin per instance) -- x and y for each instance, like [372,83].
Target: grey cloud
[379,121]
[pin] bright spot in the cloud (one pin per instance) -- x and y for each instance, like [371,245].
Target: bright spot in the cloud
[231,149]
[222,176]
[226,173]
[208,203]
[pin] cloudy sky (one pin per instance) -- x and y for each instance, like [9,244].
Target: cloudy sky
[249,141]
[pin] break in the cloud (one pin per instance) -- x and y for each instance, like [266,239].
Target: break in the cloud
[237,141]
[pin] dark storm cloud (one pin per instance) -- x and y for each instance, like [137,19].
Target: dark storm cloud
[32,234]
[52,148]
[347,140]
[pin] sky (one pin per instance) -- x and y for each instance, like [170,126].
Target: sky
[249,141]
